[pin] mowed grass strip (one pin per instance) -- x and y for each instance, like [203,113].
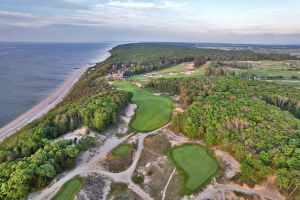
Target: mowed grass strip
[69,189]
[196,164]
[153,111]
[122,149]
[176,68]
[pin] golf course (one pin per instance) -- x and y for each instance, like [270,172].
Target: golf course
[152,111]
[196,164]
[121,149]
[69,189]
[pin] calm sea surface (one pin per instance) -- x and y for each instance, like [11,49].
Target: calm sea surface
[29,72]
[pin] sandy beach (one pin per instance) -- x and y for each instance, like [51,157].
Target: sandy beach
[45,105]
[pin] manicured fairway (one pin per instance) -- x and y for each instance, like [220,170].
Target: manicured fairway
[69,189]
[121,149]
[152,112]
[196,164]
[176,68]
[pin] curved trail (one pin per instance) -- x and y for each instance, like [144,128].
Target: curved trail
[212,190]
[44,106]
[93,166]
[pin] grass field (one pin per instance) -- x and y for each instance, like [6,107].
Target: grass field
[152,112]
[282,72]
[176,68]
[291,83]
[122,149]
[142,78]
[264,69]
[196,73]
[69,189]
[196,164]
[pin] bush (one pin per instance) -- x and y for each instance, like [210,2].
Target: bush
[138,178]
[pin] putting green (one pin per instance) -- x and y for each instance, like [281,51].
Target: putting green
[121,149]
[196,164]
[153,111]
[69,189]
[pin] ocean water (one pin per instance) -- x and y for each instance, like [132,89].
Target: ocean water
[29,72]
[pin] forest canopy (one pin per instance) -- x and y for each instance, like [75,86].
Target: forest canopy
[145,57]
[258,122]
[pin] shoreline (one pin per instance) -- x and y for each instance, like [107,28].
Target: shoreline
[47,104]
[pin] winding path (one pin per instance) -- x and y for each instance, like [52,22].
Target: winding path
[212,190]
[93,166]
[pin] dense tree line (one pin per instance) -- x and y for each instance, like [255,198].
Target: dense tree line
[97,112]
[255,120]
[199,61]
[18,177]
[146,57]
[30,160]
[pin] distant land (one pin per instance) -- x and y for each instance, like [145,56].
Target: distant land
[213,121]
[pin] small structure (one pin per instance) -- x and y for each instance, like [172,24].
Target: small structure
[190,66]
[115,76]
[138,84]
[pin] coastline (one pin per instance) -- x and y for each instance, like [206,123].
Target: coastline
[48,103]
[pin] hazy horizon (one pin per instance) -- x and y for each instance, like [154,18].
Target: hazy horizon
[128,42]
[205,21]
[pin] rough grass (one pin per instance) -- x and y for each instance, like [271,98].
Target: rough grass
[197,165]
[152,111]
[69,189]
[122,149]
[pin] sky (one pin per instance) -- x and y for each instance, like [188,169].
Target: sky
[228,21]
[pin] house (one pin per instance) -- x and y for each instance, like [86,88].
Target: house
[115,75]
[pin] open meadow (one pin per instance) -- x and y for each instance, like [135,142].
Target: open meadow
[282,72]
[176,71]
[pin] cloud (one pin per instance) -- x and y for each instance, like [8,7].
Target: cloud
[146,5]
[74,1]
[4,13]
[159,17]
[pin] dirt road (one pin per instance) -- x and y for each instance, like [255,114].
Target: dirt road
[93,166]
[218,191]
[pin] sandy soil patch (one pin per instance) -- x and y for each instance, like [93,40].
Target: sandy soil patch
[177,110]
[177,139]
[96,187]
[79,133]
[138,84]
[232,166]
[120,191]
[154,165]
[125,119]
[118,163]
[234,191]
